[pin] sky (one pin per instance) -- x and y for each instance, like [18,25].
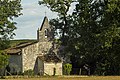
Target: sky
[31,20]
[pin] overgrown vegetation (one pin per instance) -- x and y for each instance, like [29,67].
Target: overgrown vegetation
[3,59]
[3,62]
[29,72]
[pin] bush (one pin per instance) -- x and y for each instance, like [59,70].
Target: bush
[67,68]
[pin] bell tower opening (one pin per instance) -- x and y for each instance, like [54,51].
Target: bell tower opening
[46,33]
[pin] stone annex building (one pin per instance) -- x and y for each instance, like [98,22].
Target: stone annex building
[38,56]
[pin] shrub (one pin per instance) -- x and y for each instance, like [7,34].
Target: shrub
[67,68]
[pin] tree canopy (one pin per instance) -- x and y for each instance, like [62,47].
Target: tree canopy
[8,10]
[91,34]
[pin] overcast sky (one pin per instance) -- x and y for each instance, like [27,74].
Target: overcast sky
[30,21]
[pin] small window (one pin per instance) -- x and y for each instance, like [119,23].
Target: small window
[46,32]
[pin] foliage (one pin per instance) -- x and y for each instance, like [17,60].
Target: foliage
[29,72]
[96,29]
[9,9]
[67,68]
[3,59]
[4,44]
[91,34]
[59,6]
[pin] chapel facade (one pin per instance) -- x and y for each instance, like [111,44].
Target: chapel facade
[38,56]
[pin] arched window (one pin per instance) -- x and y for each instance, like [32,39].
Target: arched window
[46,32]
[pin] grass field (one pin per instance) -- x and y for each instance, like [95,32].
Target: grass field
[71,78]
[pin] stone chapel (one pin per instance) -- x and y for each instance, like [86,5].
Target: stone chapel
[38,56]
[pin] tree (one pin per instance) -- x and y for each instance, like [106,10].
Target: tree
[9,9]
[83,39]
[112,36]
[97,27]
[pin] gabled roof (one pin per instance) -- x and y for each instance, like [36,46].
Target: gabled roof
[51,57]
[44,21]
[17,49]
[13,51]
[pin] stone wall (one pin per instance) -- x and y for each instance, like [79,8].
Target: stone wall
[30,53]
[49,68]
[44,47]
[29,56]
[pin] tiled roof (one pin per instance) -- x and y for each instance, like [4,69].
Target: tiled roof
[12,51]
[51,57]
[24,44]
[17,48]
